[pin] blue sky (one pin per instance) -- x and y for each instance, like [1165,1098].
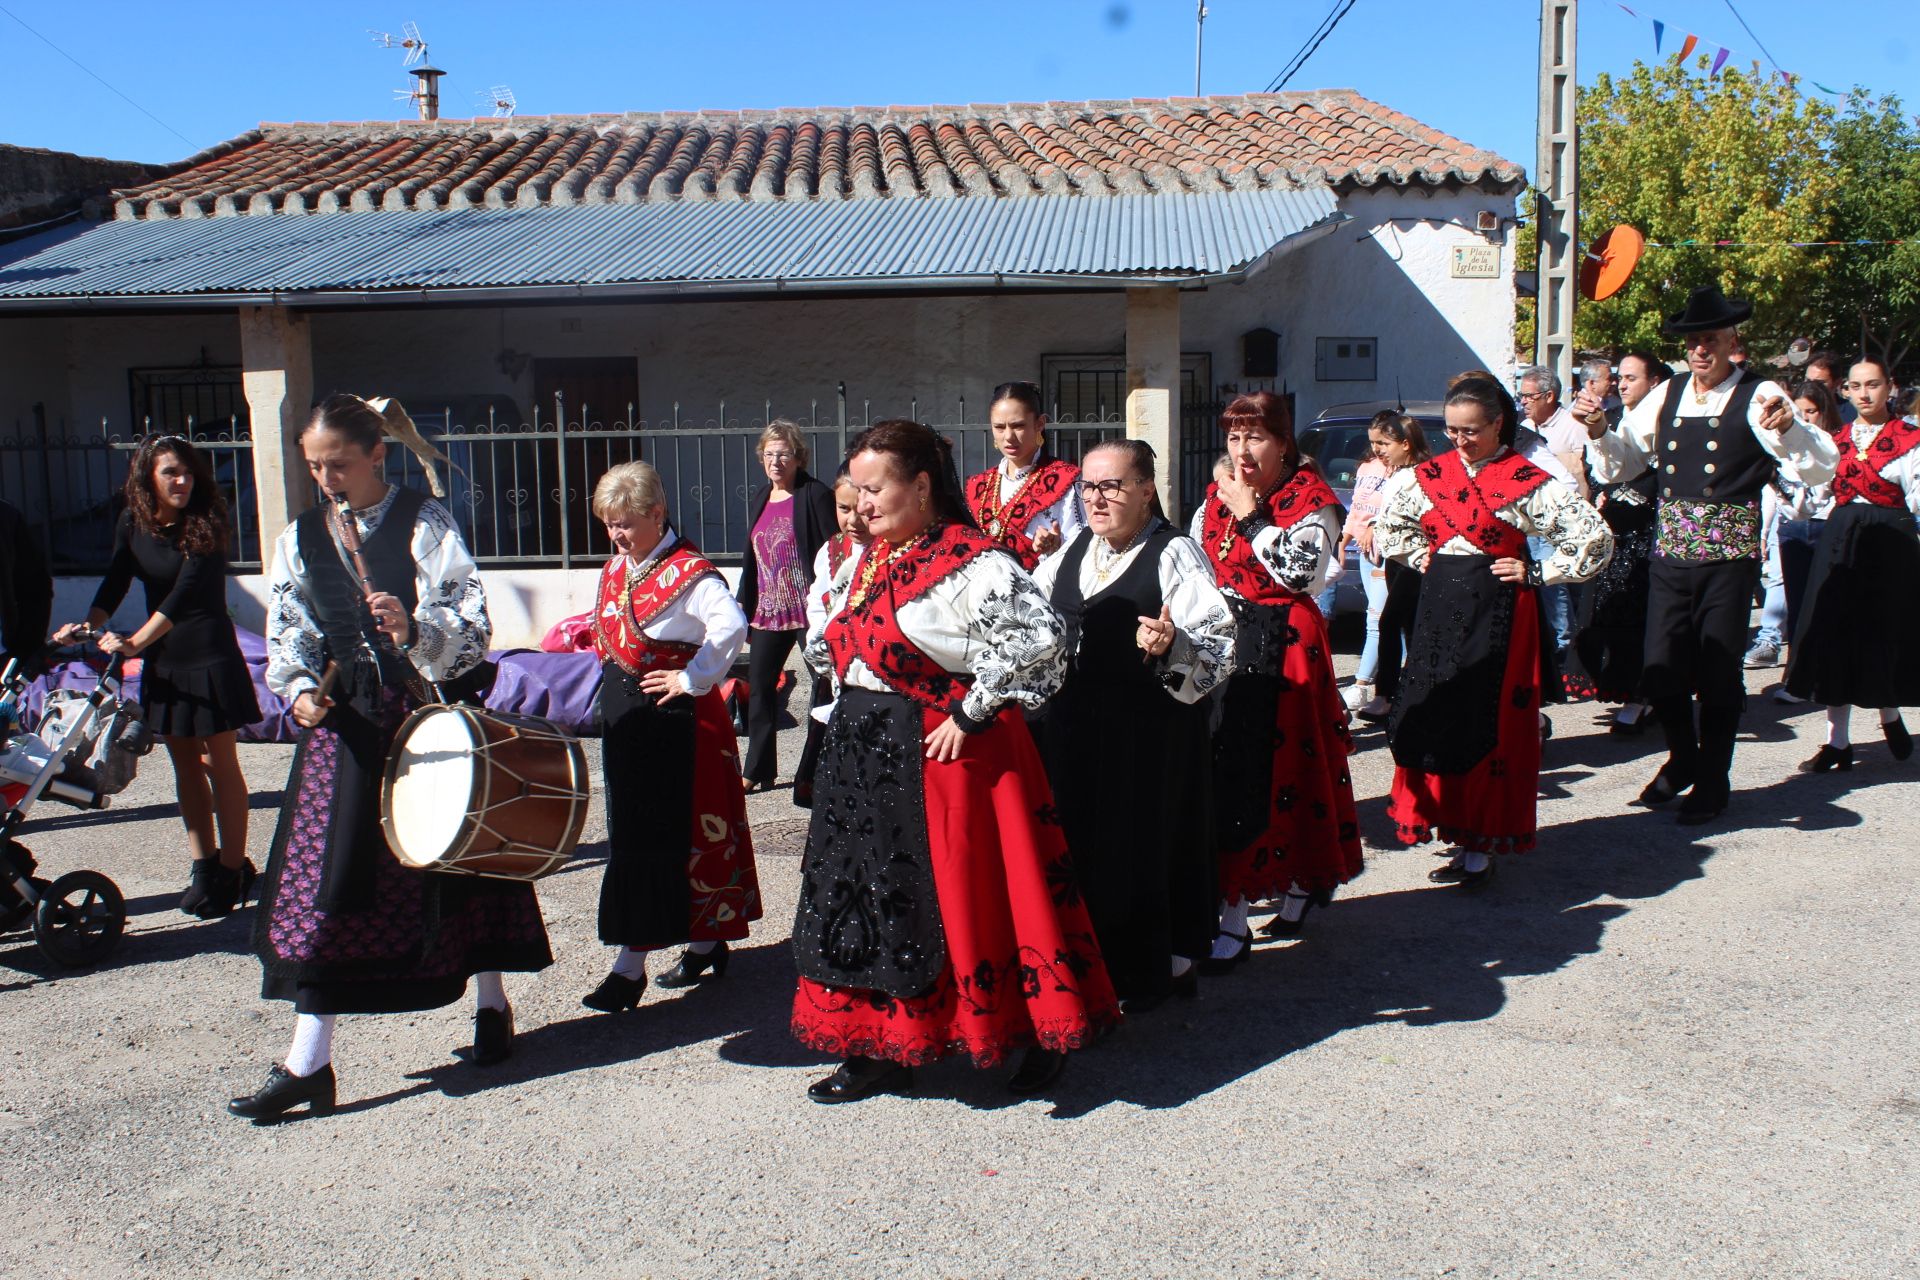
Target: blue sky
[210,70]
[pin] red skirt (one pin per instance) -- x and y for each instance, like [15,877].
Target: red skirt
[1312,836]
[1491,807]
[1023,967]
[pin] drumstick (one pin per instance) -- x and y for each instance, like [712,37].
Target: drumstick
[325,687]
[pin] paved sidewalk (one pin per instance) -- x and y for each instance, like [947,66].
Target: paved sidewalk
[1645,1051]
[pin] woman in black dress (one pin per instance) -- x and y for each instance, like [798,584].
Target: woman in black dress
[195,690]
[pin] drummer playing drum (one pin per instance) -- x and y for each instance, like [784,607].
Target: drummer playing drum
[680,857]
[373,594]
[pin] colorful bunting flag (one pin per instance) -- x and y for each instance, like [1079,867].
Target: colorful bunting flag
[1659,29]
[1719,61]
[1721,54]
[1686,50]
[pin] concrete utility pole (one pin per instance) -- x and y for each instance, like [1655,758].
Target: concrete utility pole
[1556,176]
[1199,26]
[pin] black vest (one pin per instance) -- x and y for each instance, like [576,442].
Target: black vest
[1101,632]
[339,603]
[1710,457]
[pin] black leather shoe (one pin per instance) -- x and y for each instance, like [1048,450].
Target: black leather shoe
[284,1091]
[1667,785]
[1213,968]
[1281,927]
[1456,873]
[693,967]
[1038,1069]
[492,1036]
[858,1078]
[1899,741]
[616,993]
[1703,806]
[1831,757]
[1186,986]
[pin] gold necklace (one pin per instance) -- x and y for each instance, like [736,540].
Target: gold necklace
[1106,560]
[879,557]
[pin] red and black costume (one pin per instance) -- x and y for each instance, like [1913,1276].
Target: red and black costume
[1466,731]
[1282,788]
[1858,641]
[679,854]
[938,912]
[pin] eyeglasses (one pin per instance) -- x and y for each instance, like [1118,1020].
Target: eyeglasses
[1105,490]
[1535,395]
[776,457]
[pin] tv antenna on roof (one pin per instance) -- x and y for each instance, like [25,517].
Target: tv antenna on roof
[409,39]
[500,100]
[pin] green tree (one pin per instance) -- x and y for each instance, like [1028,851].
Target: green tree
[1688,157]
[1868,297]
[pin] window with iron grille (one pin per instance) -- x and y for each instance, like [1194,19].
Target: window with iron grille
[198,400]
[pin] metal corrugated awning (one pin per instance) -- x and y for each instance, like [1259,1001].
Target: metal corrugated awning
[683,246]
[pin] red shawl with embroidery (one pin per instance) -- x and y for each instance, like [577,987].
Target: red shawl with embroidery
[1234,564]
[1005,517]
[1466,506]
[868,627]
[1860,478]
[628,602]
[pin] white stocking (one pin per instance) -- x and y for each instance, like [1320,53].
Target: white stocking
[1233,917]
[1180,966]
[312,1046]
[1295,904]
[701,948]
[1472,862]
[489,991]
[1839,730]
[630,963]
[1889,715]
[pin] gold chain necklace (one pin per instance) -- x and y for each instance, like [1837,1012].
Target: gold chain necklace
[879,558]
[1106,560]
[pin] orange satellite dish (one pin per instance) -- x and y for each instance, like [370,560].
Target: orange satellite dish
[1610,260]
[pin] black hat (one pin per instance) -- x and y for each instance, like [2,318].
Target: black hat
[1709,309]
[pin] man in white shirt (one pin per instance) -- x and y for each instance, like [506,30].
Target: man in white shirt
[1713,438]
[1548,418]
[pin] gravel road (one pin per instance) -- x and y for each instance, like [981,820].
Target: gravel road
[1645,1051]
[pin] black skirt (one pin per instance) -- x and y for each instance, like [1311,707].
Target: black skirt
[647,761]
[199,699]
[1610,646]
[1858,643]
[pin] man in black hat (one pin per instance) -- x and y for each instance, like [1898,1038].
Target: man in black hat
[1712,440]
[26,588]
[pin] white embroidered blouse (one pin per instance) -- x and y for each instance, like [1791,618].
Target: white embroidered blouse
[1202,654]
[1303,559]
[450,624]
[986,618]
[706,614]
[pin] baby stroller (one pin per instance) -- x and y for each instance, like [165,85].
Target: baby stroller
[83,749]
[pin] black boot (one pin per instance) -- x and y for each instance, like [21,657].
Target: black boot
[1713,790]
[616,993]
[226,888]
[195,896]
[1682,768]
[693,968]
[283,1091]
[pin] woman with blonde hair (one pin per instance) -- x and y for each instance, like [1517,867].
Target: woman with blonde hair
[679,855]
[791,516]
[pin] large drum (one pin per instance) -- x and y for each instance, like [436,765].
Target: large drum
[484,793]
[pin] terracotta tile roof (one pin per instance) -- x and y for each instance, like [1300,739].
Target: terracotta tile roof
[1142,146]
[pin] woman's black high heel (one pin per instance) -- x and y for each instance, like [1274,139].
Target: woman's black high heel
[1038,1069]
[1281,927]
[1827,758]
[1899,741]
[616,993]
[283,1091]
[693,967]
[1214,967]
[492,1036]
[225,888]
[194,900]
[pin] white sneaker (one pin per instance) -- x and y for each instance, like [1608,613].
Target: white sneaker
[1374,709]
[1357,695]
[1786,699]
[1763,654]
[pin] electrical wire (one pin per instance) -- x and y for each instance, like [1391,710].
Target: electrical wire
[1312,45]
[90,71]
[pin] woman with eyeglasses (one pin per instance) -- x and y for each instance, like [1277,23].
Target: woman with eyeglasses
[790,517]
[1466,731]
[938,912]
[195,689]
[1286,827]
[1126,737]
[1859,632]
[1610,639]
[1026,501]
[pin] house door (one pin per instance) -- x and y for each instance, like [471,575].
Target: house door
[596,395]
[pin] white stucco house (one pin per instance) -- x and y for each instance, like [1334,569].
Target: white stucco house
[555,292]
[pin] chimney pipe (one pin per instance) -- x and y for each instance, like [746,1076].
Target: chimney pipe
[426,91]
